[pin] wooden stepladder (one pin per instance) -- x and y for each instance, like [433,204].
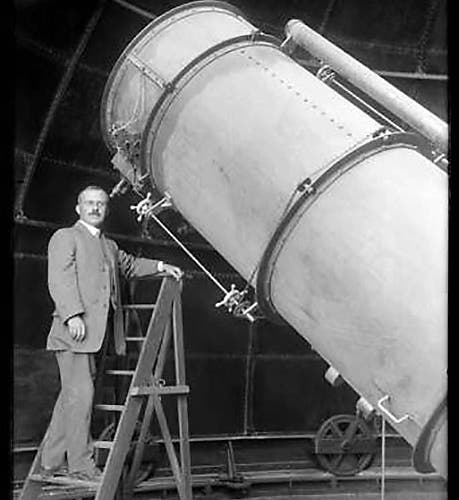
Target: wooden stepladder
[145,391]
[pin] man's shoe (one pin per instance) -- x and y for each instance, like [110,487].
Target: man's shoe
[93,475]
[49,472]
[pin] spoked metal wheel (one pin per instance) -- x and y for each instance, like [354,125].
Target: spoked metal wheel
[145,469]
[345,445]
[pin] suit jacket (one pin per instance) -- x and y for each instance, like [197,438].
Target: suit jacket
[83,279]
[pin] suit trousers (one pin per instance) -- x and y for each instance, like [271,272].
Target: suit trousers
[69,435]
[69,431]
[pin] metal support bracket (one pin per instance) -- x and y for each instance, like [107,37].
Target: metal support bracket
[234,301]
[146,207]
[388,414]
[233,480]
[147,71]
[288,45]
[325,73]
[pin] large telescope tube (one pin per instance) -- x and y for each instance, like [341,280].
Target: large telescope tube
[343,225]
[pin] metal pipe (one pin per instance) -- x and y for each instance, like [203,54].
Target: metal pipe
[383,457]
[226,437]
[426,33]
[25,221]
[249,376]
[57,56]
[414,76]
[327,14]
[110,174]
[366,105]
[398,103]
[135,9]
[63,85]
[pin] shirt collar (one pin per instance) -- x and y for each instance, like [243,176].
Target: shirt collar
[95,231]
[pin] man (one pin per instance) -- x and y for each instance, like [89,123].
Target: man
[84,282]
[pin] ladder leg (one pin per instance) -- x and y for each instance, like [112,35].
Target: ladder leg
[162,421]
[118,452]
[32,489]
[182,401]
[139,449]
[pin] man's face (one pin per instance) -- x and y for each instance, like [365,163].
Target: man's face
[93,207]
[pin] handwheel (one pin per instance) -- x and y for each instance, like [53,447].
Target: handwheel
[345,445]
[145,469]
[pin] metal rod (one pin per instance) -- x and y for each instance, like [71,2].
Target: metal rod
[327,14]
[396,49]
[32,256]
[225,437]
[383,457]
[398,103]
[426,33]
[57,55]
[63,85]
[249,372]
[414,76]
[136,9]
[25,221]
[364,103]
[74,166]
[185,249]
[188,274]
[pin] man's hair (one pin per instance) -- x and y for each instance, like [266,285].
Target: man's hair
[91,188]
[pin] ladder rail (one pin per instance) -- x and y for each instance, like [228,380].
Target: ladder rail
[31,489]
[162,421]
[182,401]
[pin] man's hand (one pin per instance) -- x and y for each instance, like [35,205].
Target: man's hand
[173,271]
[77,328]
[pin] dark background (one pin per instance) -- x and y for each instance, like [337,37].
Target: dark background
[243,380]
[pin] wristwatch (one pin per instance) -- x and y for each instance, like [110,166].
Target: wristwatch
[160,266]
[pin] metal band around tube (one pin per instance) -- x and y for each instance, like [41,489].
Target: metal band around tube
[341,166]
[159,111]
[133,44]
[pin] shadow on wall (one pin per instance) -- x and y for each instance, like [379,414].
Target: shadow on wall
[36,386]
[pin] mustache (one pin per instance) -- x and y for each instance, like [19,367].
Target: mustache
[94,212]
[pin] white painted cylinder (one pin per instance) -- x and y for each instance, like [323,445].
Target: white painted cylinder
[359,266]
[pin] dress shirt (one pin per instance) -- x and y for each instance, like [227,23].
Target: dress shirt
[95,231]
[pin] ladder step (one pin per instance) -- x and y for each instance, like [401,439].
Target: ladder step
[103,444]
[64,481]
[134,339]
[120,372]
[164,390]
[109,407]
[139,306]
